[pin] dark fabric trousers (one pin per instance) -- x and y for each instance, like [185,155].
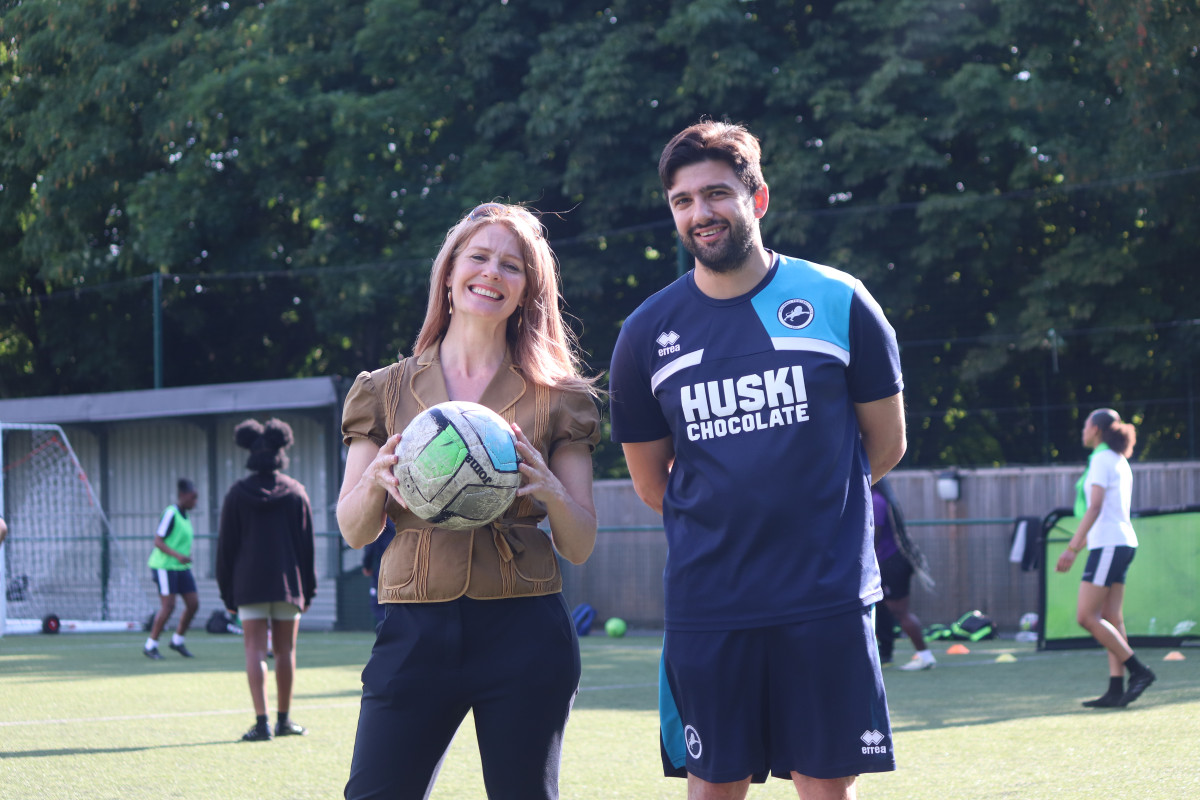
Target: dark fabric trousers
[513,663]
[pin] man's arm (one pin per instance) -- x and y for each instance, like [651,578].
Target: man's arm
[649,465]
[881,424]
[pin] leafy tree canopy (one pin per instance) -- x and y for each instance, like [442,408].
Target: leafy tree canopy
[1016,183]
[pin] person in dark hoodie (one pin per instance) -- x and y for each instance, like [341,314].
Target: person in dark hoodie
[265,566]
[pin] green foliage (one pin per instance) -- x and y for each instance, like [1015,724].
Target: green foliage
[1016,183]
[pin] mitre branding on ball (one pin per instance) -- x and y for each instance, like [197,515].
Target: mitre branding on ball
[458,465]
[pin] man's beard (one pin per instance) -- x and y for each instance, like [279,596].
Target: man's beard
[729,255]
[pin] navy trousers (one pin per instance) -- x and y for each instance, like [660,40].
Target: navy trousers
[513,663]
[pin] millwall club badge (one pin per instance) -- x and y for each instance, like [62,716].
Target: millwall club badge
[796,314]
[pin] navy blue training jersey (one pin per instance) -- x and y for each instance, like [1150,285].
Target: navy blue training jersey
[768,505]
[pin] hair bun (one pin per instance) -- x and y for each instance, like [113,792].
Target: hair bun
[278,434]
[247,433]
[266,443]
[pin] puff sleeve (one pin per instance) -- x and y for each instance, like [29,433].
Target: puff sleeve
[363,414]
[577,421]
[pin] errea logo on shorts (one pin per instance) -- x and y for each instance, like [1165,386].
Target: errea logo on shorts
[871,741]
[692,740]
[667,343]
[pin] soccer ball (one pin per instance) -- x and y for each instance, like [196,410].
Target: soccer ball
[458,465]
[1029,621]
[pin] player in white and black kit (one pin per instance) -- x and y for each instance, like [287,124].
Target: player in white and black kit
[1106,531]
[757,398]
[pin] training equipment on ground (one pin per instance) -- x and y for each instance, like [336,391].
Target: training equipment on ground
[582,616]
[615,627]
[974,626]
[458,465]
[937,631]
[65,569]
[221,621]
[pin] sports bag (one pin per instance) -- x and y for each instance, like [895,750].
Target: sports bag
[221,622]
[973,626]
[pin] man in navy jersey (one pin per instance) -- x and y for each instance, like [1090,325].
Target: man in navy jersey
[757,398]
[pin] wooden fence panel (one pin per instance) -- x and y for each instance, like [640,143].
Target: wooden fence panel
[967,541]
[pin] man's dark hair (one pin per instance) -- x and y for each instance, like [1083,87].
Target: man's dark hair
[714,141]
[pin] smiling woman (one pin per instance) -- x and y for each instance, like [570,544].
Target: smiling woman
[493,335]
[488,278]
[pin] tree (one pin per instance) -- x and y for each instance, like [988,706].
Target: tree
[1016,184]
[976,164]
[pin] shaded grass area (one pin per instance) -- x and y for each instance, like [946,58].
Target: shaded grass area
[89,716]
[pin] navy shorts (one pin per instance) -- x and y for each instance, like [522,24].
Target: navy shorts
[805,697]
[173,581]
[896,575]
[1108,565]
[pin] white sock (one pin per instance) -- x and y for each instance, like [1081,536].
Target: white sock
[176,639]
[926,656]
[152,644]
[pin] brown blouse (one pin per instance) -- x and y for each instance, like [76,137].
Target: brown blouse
[511,556]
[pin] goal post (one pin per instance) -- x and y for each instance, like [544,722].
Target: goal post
[60,564]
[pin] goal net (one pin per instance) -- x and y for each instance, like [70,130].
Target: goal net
[60,559]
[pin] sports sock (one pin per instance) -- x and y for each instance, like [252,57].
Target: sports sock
[260,722]
[176,639]
[281,717]
[926,656]
[151,644]
[1134,666]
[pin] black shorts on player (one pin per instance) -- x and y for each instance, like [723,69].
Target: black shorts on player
[173,581]
[896,575]
[1108,565]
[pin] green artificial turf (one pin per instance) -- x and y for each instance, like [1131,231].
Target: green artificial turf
[87,716]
